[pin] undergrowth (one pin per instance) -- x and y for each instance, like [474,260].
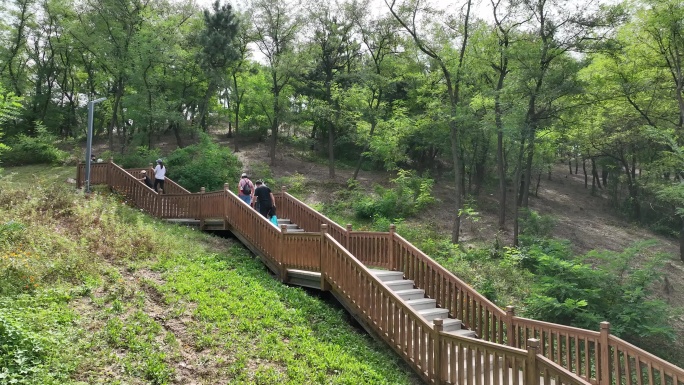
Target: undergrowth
[94,291]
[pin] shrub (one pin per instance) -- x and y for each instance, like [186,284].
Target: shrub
[535,226]
[141,156]
[20,352]
[409,195]
[41,149]
[205,164]
[572,291]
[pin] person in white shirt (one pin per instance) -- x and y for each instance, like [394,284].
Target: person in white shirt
[159,176]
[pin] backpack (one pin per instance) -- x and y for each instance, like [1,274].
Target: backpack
[246,189]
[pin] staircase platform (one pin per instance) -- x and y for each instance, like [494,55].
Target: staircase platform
[209,224]
[311,279]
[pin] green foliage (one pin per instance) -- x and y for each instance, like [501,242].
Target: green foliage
[102,266]
[295,184]
[205,164]
[39,149]
[10,106]
[21,352]
[409,195]
[141,156]
[574,291]
[535,226]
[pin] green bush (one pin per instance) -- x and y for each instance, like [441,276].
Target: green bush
[535,226]
[20,352]
[409,195]
[140,157]
[573,291]
[39,149]
[205,164]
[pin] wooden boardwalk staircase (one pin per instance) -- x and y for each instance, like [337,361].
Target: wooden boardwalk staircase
[446,331]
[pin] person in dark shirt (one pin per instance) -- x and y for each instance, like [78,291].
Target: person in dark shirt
[264,198]
[146,179]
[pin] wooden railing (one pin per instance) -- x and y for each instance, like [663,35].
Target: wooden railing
[511,349]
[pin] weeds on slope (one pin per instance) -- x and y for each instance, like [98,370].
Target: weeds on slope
[93,291]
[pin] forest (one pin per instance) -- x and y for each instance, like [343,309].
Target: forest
[494,95]
[484,96]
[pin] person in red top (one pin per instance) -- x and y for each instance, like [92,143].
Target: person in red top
[246,189]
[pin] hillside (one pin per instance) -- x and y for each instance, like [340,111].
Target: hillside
[586,221]
[96,292]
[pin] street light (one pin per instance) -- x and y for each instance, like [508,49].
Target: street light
[89,145]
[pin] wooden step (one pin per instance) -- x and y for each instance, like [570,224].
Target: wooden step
[422,303]
[431,314]
[410,294]
[403,284]
[462,332]
[452,325]
[388,275]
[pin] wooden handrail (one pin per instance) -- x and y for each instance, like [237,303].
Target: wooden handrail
[563,353]
[305,217]
[438,356]
[631,365]
[552,373]
[463,302]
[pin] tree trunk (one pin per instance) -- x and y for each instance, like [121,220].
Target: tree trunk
[500,167]
[366,145]
[276,116]
[525,193]
[595,179]
[455,150]
[681,241]
[584,168]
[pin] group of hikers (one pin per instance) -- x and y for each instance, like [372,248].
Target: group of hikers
[259,197]
[159,172]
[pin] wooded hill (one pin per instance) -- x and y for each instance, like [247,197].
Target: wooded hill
[483,97]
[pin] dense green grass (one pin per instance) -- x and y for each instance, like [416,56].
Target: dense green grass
[95,292]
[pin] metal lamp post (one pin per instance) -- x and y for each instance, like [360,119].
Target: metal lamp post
[89,145]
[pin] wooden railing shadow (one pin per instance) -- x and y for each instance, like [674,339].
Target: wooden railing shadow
[510,349]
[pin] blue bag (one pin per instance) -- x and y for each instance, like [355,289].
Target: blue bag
[274,220]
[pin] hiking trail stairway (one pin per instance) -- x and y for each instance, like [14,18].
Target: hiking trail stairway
[442,328]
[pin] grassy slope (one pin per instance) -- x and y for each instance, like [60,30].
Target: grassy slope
[92,291]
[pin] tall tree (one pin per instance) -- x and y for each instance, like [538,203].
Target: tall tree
[407,14]
[379,40]
[219,50]
[276,24]
[333,50]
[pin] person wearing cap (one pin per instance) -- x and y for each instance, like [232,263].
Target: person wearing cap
[146,179]
[265,199]
[159,176]
[246,189]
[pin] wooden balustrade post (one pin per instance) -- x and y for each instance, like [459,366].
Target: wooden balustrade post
[510,327]
[282,210]
[110,167]
[78,176]
[437,375]
[603,376]
[390,247]
[348,236]
[201,205]
[280,257]
[532,375]
[226,192]
[325,286]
